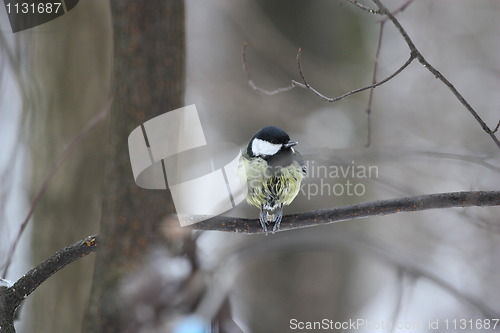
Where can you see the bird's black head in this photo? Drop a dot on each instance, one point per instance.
(269, 141)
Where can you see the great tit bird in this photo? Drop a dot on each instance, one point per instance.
(273, 171)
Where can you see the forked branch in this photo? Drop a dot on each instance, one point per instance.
(12, 296)
(436, 73)
(305, 84)
(414, 54)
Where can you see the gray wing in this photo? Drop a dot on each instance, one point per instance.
(298, 158)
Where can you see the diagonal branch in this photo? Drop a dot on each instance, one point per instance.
(350, 212)
(397, 10)
(366, 8)
(436, 73)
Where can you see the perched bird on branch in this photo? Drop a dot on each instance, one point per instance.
(273, 171)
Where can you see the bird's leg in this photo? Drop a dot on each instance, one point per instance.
(263, 220)
(277, 221)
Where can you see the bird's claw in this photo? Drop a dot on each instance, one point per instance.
(279, 216)
(263, 221)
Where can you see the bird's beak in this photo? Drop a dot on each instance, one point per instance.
(290, 144)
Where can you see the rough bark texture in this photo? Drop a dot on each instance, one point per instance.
(356, 211)
(149, 54)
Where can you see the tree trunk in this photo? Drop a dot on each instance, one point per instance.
(149, 49)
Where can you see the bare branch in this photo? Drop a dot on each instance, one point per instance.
(390, 77)
(350, 212)
(254, 86)
(436, 73)
(75, 141)
(414, 54)
(496, 128)
(299, 54)
(11, 297)
(307, 86)
(397, 10)
(244, 60)
(374, 80)
(399, 296)
(366, 8)
(375, 68)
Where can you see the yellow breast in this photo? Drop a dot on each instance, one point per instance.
(266, 186)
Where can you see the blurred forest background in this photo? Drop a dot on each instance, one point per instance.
(408, 268)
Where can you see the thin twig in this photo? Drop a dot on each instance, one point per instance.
(306, 85)
(397, 10)
(299, 54)
(399, 297)
(79, 137)
(338, 214)
(375, 67)
(390, 77)
(436, 73)
(253, 85)
(496, 128)
(374, 80)
(244, 60)
(365, 8)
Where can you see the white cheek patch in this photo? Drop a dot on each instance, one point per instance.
(264, 148)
